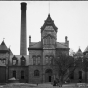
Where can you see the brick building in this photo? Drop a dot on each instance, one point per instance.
(38, 66)
(42, 54)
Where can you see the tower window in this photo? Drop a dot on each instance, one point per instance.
(47, 59)
(51, 60)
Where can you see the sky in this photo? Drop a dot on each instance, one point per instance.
(71, 18)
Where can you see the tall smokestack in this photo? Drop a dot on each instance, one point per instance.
(23, 42)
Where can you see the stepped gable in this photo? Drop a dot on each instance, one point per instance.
(49, 22)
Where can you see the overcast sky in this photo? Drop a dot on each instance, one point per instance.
(71, 18)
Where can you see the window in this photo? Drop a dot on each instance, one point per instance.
(34, 60)
(23, 61)
(14, 74)
(14, 61)
(22, 74)
(4, 61)
(46, 59)
(51, 60)
(80, 74)
(45, 41)
(38, 60)
(36, 73)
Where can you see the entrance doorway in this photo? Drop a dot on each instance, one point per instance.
(48, 75)
(80, 76)
(49, 78)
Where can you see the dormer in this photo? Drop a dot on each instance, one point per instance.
(14, 61)
(23, 61)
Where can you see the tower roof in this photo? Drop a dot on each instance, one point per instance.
(79, 53)
(49, 22)
(3, 46)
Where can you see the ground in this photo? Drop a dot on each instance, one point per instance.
(47, 85)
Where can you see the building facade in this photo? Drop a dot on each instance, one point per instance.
(39, 65)
(43, 53)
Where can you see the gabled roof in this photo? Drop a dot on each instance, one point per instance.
(38, 45)
(49, 22)
(10, 51)
(3, 46)
(35, 45)
(61, 45)
(2, 64)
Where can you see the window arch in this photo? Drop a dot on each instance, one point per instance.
(36, 73)
(23, 61)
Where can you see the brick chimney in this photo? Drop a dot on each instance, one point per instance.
(23, 41)
(66, 41)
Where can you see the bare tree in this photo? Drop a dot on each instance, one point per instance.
(65, 65)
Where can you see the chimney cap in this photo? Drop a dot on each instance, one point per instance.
(29, 36)
(23, 5)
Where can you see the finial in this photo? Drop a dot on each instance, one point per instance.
(3, 39)
(9, 46)
(49, 7)
(79, 47)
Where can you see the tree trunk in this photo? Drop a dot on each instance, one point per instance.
(85, 77)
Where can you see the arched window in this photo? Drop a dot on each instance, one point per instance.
(51, 60)
(46, 59)
(36, 73)
(22, 74)
(38, 60)
(23, 61)
(34, 60)
(14, 74)
(45, 41)
(4, 61)
(14, 61)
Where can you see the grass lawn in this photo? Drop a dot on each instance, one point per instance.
(26, 85)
